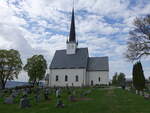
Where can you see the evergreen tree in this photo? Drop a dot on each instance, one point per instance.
(138, 76)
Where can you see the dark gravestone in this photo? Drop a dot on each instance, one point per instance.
(69, 91)
(14, 93)
(9, 100)
(72, 95)
(46, 93)
(37, 90)
(24, 102)
(28, 90)
(71, 98)
(37, 98)
(37, 94)
(25, 92)
(1, 93)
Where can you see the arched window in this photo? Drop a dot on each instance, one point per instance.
(99, 79)
(92, 82)
(57, 77)
(77, 78)
(66, 78)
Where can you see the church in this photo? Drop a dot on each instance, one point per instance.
(74, 67)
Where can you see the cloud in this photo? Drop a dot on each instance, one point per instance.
(42, 26)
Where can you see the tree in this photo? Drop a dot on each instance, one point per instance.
(138, 76)
(121, 80)
(138, 44)
(10, 66)
(115, 79)
(36, 68)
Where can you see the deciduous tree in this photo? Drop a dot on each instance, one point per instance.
(36, 68)
(138, 44)
(10, 66)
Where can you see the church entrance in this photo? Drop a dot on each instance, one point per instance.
(91, 82)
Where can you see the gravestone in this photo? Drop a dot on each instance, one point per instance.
(46, 93)
(59, 103)
(9, 100)
(146, 95)
(14, 93)
(37, 98)
(28, 90)
(24, 102)
(74, 92)
(1, 93)
(37, 90)
(58, 92)
(24, 92)
(71, 98)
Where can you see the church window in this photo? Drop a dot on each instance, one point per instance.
(77, 78)
(99, 79)
(56, 77)
(66, 78)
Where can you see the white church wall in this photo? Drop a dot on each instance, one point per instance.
(94, 76)
(71, 73)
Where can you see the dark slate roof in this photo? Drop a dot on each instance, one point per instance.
(98, 64)
(62, 60)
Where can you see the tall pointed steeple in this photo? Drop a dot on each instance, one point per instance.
(72, 36)
(72, 43)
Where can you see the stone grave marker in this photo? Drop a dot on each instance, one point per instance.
(9, 100)
(24, 102)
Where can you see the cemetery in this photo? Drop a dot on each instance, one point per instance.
(73, 100)
(47, 68)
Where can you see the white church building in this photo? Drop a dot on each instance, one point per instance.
(73, 66)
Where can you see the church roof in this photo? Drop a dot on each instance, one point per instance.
(98, 64)
(62, 60)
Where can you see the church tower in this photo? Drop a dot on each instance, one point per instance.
(72, 43)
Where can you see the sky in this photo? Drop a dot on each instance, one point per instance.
(42, 27)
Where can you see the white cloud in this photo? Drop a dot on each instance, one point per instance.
(41, 27)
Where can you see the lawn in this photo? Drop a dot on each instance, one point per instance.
(102, 101)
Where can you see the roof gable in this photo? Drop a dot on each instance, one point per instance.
(61, 60)
(98, 64)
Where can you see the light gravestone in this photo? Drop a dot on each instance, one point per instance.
(58, 92)
(59, 103)
(72, 96)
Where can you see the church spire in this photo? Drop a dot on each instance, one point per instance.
(71, 42)
(72, 36)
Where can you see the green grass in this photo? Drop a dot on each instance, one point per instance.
(103, 101)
